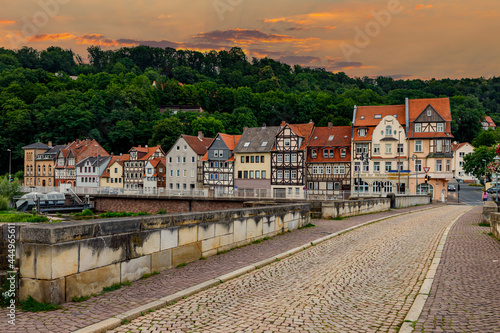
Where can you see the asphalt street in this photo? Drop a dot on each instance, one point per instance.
(469, 195)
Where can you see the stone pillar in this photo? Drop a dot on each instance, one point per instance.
(489, 208)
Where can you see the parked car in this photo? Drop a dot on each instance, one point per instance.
(493, 189)
(452, 188)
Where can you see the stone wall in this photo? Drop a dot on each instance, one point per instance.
(152, 205)
(412, 200)
(495, 224)
(60, 261)
(332, 209)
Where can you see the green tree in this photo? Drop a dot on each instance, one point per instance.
(9, 189)
(487, 138)
(166, 132)
(210, 126)
(473, 163)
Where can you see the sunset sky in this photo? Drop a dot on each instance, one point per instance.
(402, 39)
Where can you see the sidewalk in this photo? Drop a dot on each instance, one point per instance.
(74, 316)
(465, 295)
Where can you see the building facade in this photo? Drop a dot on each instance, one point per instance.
(460, 150)
(288, 160)
(252, 160)
(32, 170)
(329, 162)
(113, 174)
(134, 167)
(154, 176)
(183, 162)
(89, 171)
(218, 164)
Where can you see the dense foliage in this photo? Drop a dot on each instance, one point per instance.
(114, 99)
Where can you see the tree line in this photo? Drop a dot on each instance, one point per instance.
(115, 102)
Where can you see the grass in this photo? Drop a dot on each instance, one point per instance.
(491, 234)
(482, 224)
(182, 265)
(32, 305)
(121, 214)
(147, 275)
(257, 241)
(161, 211)
(337, 218)
(9, 216)
(78, 299)
(86, 212)
(309, 225)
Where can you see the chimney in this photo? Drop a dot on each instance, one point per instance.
(121, 154)
(139, 146)
(310, 121)
(200, 135)
(146, 146)
(330, 125)
(244, 129)
(49, 144)
(264, 125)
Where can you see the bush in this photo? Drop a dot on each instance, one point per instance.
(9, 189)
(4, 203)
(86, 212)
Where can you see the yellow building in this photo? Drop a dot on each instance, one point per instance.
(39, 163)
(113, 174)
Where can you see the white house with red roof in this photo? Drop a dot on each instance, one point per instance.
(488, 123)
(134, 168)
(460, 150)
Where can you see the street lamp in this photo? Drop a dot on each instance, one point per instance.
(414, 158)
(484, 172)
(10, 159)
(399, 166)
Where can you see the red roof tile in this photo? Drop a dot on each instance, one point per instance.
(490, 121)
(199, 146)
(456, 146)
(441, 105)
(114, 158)
(230, 140)
(341, 137)
(365, 115)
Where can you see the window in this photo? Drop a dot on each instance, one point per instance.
(387, 187)
(447, 143)
(329, 186)
(216, 154)
(378, 116)
(439, 146)
(388, 130)
(178, 173)
(192, 159)
(362, 117)
(240, 174)
(388, 166)
(357, 166)
(171, 173)
(429, 112)
(280, 158)
(417, 127)
(263, 144)
(192, 173)
(252, 159)
(263, 174)
(461, 163)
(251, 174)
(388, 148)
(376, 149)
(185, 173)
(247, 159)
(313, 153)
(294, 174)
(178, 148)
(297, 191)
(440, 127)
(361, 132)
(289, 191)
(287, 158)
(461, 154)
(245, 174)
(361, 148)
(366, 167)
(418, 165)
(448, 165)
(342, 153)
(377, 187)
(280, 174)
(376, 166)
(257, 159)
(439, 165)
(315, 170)
(286, 142)
(257, 174)
(400, 148)
(328, 169)
(287, 174)
(330, 138)
(262, 159)
(418, 146)
(179, 159)
(183, 159)
(246, 144)
(294, 158)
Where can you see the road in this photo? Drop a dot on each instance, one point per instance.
(362, 281)
(469, 195)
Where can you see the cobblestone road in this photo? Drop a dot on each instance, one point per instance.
(465, 296)
(73, 316)
(362, 281)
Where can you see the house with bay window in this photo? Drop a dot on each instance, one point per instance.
(329, 162)
(288, 160)
(380, 153)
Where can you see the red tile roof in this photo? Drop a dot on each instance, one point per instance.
(199, 145)
(303, 130)
(365, 115)
(230, 140)
(368, 136)
(441, 105)
(115, 158)
(341, 137)
(456, 146)
(490, 121)
(425, 135)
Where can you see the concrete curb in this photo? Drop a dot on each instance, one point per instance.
(418, 304)
(116, 321)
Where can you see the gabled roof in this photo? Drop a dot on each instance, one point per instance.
(256, 137)
(199, 145)
(372, 115)
(53, 151)
(340, 137)
(456, 146)
(490, 121)
(95, 161)
(150, 152)
(37, 145)
(303, 130)
(441, 105)
(114, 158)
(230, 140)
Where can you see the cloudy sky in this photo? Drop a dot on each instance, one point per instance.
(398, 38)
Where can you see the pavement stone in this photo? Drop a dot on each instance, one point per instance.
(74, 316)
(465, 295)
(364, 280)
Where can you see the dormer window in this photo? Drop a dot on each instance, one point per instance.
(362, 117)
(263, 144)
(314, 153)
(378, 116)
(330, 138)
(388, 130)
(361, 131)
(246, 144)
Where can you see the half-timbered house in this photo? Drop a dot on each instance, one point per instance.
(329, 162)
(288, 160)
(134, 167)
(218, 163)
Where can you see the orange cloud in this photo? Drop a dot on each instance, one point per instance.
(96, 39)
(422, 6)
(7, 22)
(246, 36)
(52, 37)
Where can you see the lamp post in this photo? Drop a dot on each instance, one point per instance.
(414, 159)
(484, 172)
(399, 166)
(10, 159)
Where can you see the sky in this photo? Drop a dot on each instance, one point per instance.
(398, 38)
